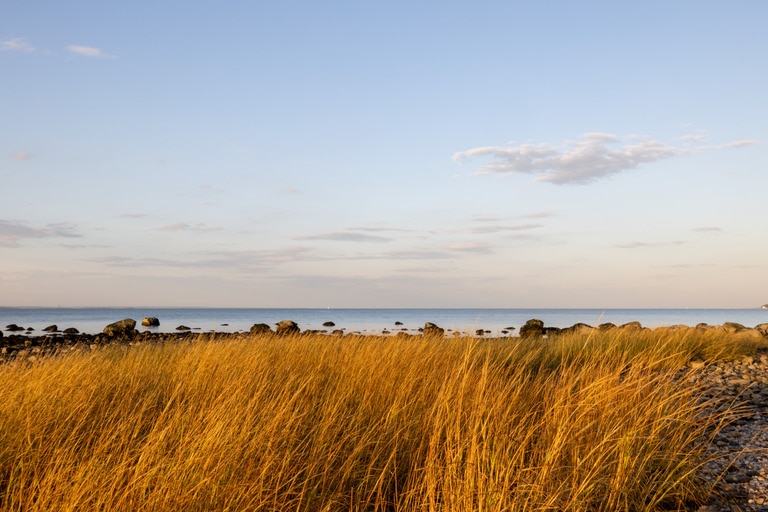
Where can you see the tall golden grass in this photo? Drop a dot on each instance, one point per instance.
(317, 423)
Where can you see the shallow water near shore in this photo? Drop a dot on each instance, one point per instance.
(366, 321)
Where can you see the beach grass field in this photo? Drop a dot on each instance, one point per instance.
(605, 421)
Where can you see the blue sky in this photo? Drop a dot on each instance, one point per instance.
(384, 154)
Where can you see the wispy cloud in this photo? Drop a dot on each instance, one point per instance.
(237, 261)
(641, 245)
(16, 44)
(133, 216)
(347, 236)
(12, 232)
(88, 51)
(183, 226)
(503, 228)
(22, 155)
(471, 247)
(712, 230)
(593, 156)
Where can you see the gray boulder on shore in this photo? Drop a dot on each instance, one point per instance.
(260, 329)
(533, 328)
(287, 327)
(124, 327)
(150, 321)
(431, 329)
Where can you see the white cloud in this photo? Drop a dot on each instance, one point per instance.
(16, 44)
(594, 156)
(88, 51)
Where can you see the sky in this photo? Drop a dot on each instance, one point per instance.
(384, 154)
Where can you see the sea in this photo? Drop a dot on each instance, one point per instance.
(364, 321)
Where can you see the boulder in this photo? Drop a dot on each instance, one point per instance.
(431, 329)
(287, 328)
(329, 324)
(71, 330)
(479, 332)
(763, 328)
(51, 328)
(122, 328)
(13, 328)
(398, 323)
(731, 327)
(260, 329)
(337, 332)
(533, 328)
(748, 332)
(631, 326)
(150, 321)
(183, 328)
(606, 326)
(553, 331)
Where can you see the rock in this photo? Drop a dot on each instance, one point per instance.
(580, 328)
(398, 323)
(183, 328)
(750, 333)
(431, 329)
(533, 328)
(553, 331)
(337, 332)
(287, 328)
(606, 326)
(731, 327)
(762, 328)
(122, 328)
(13, 328)
(479, 332)
(71, 330)
(51, 328)
(260, 329)
(631, 326)
(329, 324)
(150, 321)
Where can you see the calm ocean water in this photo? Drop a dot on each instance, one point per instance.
(369, 321)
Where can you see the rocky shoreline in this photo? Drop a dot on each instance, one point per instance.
(21, 344)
